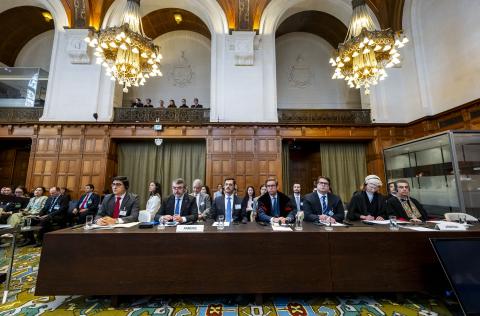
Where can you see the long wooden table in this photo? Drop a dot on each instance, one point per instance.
(240, 259)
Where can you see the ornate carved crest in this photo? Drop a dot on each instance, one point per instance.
(300, 75)
(181, 74)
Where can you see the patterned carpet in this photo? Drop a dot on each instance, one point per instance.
(23, 302)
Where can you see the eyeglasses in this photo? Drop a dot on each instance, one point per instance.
(117, 184)
(324, 183)
(271, 185)
(177, 188)
(19, 192)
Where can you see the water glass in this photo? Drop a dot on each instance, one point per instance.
(393, 225)
(89, 222)
(27, 223)
(299, 220)
(161, 224)
(221, 222)
(328, 226)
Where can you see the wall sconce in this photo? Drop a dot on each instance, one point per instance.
(47, 16)
(177, 17)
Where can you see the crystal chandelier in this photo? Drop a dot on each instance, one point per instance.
(362, 58)
(130, 58)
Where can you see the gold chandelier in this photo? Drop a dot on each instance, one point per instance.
(366, 52)
(129, 57)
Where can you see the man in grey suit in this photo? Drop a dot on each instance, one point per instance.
(119, 207)
(202, 199)
(229, 204)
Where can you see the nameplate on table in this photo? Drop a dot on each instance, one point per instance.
(449, 226)
(224, 224)
(190, 228)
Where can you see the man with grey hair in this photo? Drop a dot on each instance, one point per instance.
(178, 207)
(202, 199)
(368, 204)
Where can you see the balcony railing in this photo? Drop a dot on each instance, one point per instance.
(151, 115)
(329, 117)
(20, 114)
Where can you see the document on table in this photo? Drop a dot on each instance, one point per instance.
(95, 226)
(281, 228)
(384, 222)
(420, 228)
(124, 225)
(333, 224)
(5, 226)
(224, 224)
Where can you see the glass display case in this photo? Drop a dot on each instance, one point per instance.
(443, 171)
(22, 87)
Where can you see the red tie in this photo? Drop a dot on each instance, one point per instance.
(84, 202)
(116, 209)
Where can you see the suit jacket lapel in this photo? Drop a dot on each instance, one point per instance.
(125, 201)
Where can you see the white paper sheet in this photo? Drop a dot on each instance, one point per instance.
(224, 224)
(420, 229)
(281, 229)
(385, 222)
(334, 224)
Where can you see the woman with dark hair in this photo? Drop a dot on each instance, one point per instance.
(248, 200)
(206, 190)
(155, 200)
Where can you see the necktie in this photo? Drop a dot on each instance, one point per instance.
(177, 207)
(275, 207)
(53, 204)
(116, 208)
(324, 204)
(298, 202)
(84, 202)
(228, 216)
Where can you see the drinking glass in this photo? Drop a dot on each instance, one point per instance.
(220, 222)
(89, 222)
(393, 225)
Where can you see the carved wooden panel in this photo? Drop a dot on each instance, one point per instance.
(47, 145)
(68, 173)
(94, 145)
(7, 159)
(71, 145)
(44, 172)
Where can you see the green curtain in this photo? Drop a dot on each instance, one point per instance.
(143, 162)
(345, 165)
(285, 168)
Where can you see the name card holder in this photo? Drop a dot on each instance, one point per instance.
(190, 228)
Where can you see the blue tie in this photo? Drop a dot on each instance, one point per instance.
(275, 211)
(177, 207)
(324, 204)
(228, 216)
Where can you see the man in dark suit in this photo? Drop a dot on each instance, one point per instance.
(87, 204)
(368, 204)
(275, 207)
(228, 204)
(196, 105)
(120, 206)
(297, 198)
(184, 104)
(53, 213)
(322, 205)
(137, 104)
(179, 207)
(405, 207)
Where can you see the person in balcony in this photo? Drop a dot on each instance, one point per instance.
(184, 104)
(148, 103)
(196, 105)
(172, 105)
(137, 104)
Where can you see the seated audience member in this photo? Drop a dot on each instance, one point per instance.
(33, 208)
(253, 216)
(2, 191)
(196, 105)
(322, 205)
(12, 207)
(178, 207)
(228, 204)
(137, 104)
(219, 191)
(154, 200)
(184, 104)
(161, 104)
(275, 207)
(119, 207)
(171, 104)
(52, 214)
(7, 191)
(297, 198)
(392, 190)
(405, 207)
(87, 204)
(206, 190)
(368, 204)
(148, 103)
(203, 200)
(248, 200)
(66, 193)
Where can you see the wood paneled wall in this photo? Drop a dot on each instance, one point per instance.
(73, 155)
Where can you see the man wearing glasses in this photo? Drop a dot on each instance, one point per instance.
(120, 206)
(368, 204)
(178, 207)
(275, 207)
(322, 205)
